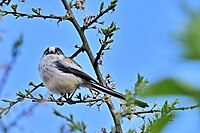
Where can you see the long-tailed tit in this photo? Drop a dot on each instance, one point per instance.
(61, 74)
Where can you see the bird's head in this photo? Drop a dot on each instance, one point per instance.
(53, 51)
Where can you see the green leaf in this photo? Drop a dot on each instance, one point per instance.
(104, 31)
(171, 86)
(110, 41)
(35, 11)
(112, 29)
(117, 28)
(130, 99)
(111, 7)
(20, 98)
(150, 122)
(6, 100)
(130, 131)
(72, 127)
(113, 2)
(70, 118)
(83, 125)
(28, 92)
(41, 96)
(56, 112)
(20, 94)
(160, 123)
(101, 6)
(17, 45)
(190, 38)
(112, 24)
(140, 84)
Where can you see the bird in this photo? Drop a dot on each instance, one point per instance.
(62, 75)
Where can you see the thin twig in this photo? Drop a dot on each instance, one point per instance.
(99, 53)
(101, 13)
(158, 110)
(70, 101)
(81, 49)
(19, 14)
(41, 99)
(17, 101)
(186, 108)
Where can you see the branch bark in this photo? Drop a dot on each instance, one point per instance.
(19, 14)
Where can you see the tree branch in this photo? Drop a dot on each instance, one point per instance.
(159, 110)
(28, 95)
(92, 59)
(99, 53)
(12, 103)
(85, 45)
(6, 2)
(116, 118)
(19, 14)
(101, 13)
(81, 49)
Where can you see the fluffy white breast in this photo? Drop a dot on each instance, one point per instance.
(54, 79)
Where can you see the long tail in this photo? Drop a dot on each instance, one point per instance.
(117, 94)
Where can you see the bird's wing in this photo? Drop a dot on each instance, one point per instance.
(69, 67)
(69, 60)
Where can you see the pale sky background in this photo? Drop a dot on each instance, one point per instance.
(144, 44)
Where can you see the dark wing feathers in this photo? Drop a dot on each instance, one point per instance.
(76, 63)
(66, 69)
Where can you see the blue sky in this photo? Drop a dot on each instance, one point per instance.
(144, 44)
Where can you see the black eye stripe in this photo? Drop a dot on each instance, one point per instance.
(53, 50)
(46, 51)
(59, 51)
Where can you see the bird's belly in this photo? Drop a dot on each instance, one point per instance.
(63, 83)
